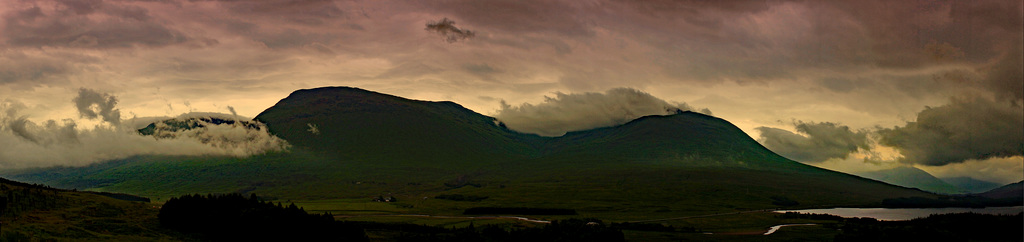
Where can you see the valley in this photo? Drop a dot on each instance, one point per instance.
(377, 158)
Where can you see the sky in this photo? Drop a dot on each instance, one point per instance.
(846, 85)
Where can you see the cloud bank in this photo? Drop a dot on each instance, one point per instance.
(860, 62)
(62, 143)
(819, 141)
(581, 111)
(966, 129)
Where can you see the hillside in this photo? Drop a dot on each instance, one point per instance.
(971, 185)
(31, 212)
(358, 124)
(914, 178)
(1010, 191)
(683, 139)
(350, 145)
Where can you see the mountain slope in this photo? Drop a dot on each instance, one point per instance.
(685, 138)
(349, 143)
(971, 185)
(912, 177)
(1010, 191)
(37, 213)
(359, 124)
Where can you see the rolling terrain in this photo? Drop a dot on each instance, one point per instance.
(351, 145)
(31, 212)
(913, 178)
(971, 185)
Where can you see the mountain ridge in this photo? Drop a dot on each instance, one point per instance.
(351, 143)
(971, 185)
(669, 131)
(913, 177)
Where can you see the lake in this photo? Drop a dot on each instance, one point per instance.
(893, 214)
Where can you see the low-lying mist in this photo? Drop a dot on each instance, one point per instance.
(28, 144)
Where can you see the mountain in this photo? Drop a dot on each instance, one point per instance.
(683, 139)
(349, 143)
(912, 177)
(971, 185)
(1011, 191)
(359, 124)
(172, 127)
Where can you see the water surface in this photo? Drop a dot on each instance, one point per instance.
(894, 214)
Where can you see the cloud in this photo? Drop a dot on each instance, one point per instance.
(35, 67)
(85, 24)
(222, 131)
(232, 110)
(1002, 170)
(92, 104)
(581, 111)
(62, 143)
(965, 129)
(446, 28)
(823, 141)
(1004, 78)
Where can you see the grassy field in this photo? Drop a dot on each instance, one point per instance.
(41, 214)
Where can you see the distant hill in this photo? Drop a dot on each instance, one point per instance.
(912, 177)
(352, 143)
(683, 139)
(1011, 191)
(971, 185)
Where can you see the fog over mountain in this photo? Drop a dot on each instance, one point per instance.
(867, 65)
(581, 111)
(65, 143)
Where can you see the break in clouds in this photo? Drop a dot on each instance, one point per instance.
(581, 111)
(965, 129)
(63, 143)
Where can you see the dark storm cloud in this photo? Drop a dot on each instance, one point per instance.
(484, 71)
(291, 38)
(86, 24)
(18, 128)
(301, 12)
(92, 105)
(18, 67)
(973, 27)
(823, 141)
(446, 28)
(518, 17)
(965, 129)
(1006, 77)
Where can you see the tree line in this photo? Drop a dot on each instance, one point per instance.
(235, 217)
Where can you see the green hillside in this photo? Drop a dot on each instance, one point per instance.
(352, 145)
(31, 212)
(357, 124)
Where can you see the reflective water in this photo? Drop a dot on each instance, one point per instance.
(892, 214)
